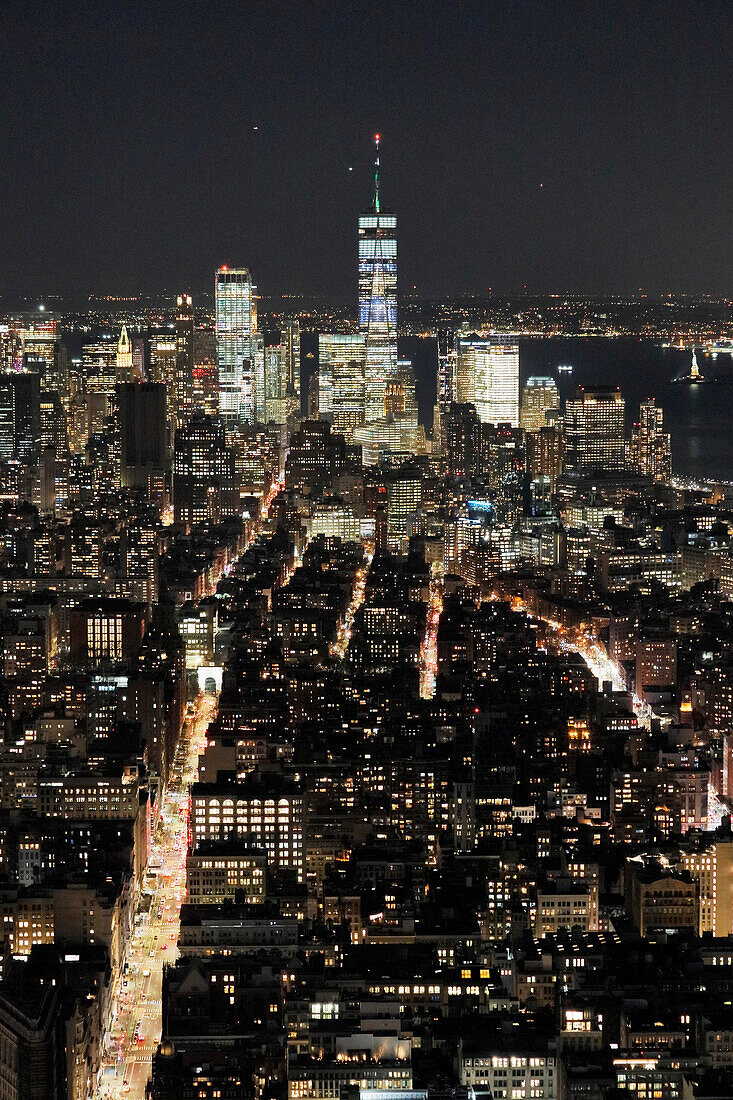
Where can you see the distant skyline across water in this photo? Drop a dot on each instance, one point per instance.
(698, 417)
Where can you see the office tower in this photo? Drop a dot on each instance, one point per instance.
(594, 429)
(400, 401)
(290, 343)
(123, 362)
(487, 376)
(204, 484)
(313, 404)
(461, 430)
(540, 403)
(142, 408)
(139, 359)
(7, 435)
(650, 444)
(446, 367)
(184, 358)
(57, 375)
(378, 297)
(163, 359)
(20, 416)
(272, 404)
(341, 371)
(99, 366)
(236, 323)
(545, 454)
(27, 416)
(53, 426)
(503, 467)
(255, 410)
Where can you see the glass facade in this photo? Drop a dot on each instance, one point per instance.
(341, 365)
(594, 429)
(378, 300)
(235, 325)
(487, 376)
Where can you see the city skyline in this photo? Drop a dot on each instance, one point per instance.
(366, 652)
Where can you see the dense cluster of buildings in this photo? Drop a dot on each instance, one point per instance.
(460, 825)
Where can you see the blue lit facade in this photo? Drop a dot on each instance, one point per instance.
(378, 299)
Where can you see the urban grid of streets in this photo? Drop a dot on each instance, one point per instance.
(136, 1015)
(136, 1019)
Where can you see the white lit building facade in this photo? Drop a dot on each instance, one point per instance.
(487, 376)
(236, 323)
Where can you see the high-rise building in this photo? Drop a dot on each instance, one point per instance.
(272, 400)
(545, 454)
(650, 444)
(142, 410)
(163, 359)
(341, 368)
(139, 358)
(204, 482)
(236, 323)
(99, 366)
(594, 429)
(461, 441)
(540, 403)
(487, 376)
(20, 416)
(446, 367)
(290, 343)
(378, 297)
(123, 361)
(184, 358)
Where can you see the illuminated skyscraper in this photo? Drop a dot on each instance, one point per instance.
(204, 480)
(594, 429)
(487, 376)
(446, 367)
(290, 342)
(540, 403)
(123, 364)
(378, 298)
(184, 358)
(163, 359)
(273, 404)
(236, 323)
(341, 363)
(650, 444)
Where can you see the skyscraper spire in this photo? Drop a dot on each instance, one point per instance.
(123, 364)
(378, 297)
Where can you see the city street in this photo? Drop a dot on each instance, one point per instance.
(429, 647)
(136, 1019)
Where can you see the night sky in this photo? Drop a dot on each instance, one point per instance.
(561, 146)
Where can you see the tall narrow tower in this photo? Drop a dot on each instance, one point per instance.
(378, 297)
(184, 358)
(123, 361)
(236, 324)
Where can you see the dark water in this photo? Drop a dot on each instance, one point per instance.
(700, 418)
